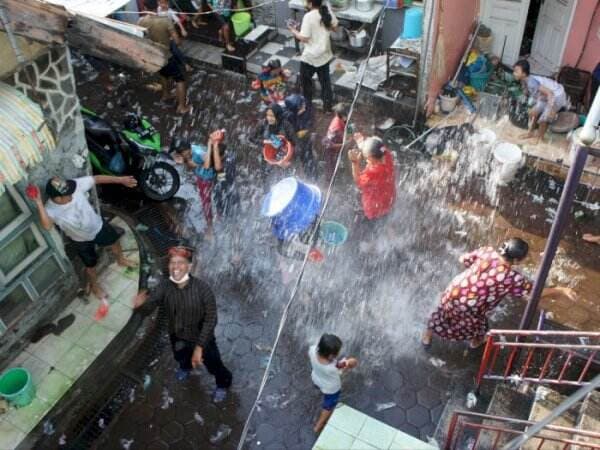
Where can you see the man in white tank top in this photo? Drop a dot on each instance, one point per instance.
(550, 98)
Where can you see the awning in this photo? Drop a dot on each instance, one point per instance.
(24, 135)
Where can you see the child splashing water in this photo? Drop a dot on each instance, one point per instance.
(326, 374)
(207, 163)
(271, 82)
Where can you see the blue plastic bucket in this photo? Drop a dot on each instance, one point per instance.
(16, 386)
(292, 206)
(413, 23)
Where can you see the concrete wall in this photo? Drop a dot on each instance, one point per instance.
(583, 43)
(54, 83)
(451, 27)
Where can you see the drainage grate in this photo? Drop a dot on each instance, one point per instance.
(89, 428)
(159, 231)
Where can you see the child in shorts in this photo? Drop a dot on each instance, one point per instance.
(326, 374)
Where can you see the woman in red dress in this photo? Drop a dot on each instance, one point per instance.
(462, 313)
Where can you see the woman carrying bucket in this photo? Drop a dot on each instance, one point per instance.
(275, 128)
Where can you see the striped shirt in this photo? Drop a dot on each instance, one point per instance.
(191, 310)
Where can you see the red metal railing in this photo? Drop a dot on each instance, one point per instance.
(552, 357)
(474, 431)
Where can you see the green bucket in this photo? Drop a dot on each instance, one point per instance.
(242, 23)
(16, 386)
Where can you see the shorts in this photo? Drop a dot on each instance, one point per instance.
(544, 111)
(107, 235)
(330, 401)
(223, 20)
(173, 70)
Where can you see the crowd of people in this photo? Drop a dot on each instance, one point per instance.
(189, 302)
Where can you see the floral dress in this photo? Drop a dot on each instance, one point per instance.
(462, 313)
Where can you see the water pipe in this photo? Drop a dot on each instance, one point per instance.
(586, 137)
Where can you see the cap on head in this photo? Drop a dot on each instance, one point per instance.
(57, 187)
(514, 249)
(182, 252)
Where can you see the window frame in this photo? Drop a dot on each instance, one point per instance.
(21, 218)
(6, 278)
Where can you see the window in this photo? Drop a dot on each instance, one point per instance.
(45, 275)
(14, 305)
(13, 211)
(29, 266)
(20, 252)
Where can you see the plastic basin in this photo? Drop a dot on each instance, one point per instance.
(16, 386)
(333, 233)
(270, 153)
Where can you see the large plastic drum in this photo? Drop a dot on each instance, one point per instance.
(509, 156)
(292, 206)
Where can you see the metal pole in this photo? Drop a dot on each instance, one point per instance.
(562, 216)
(586, 137)
(517, 442)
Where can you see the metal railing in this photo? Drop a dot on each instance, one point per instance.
(545, 357)
(475, 431)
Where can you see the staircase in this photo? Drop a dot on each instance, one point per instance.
(536, 372)
(512, 411)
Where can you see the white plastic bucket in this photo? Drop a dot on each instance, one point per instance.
(509, 156)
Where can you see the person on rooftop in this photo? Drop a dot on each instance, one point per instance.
(550, 98)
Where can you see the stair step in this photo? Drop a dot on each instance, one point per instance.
(589, 418)
(545, 401)
(506, 401)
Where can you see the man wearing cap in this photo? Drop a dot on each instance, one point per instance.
(69, 208)
(376, 181)
(192, 316)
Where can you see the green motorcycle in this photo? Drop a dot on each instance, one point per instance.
(135, 150)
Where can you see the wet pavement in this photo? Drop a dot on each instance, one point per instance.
(374, 293)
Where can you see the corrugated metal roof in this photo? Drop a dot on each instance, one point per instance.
(99, 8)
(24, 135)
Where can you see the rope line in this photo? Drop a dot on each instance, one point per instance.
(312, 239)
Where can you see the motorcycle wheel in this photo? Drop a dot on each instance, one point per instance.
(160, 182)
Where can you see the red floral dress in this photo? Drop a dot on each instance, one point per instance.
(462, 313)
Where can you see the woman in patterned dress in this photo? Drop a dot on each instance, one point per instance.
(462, 314)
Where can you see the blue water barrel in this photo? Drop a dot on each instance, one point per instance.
(292, 206)
(413, 23)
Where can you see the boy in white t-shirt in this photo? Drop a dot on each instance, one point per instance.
(326, 374)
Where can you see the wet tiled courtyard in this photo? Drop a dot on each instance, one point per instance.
(377, 302)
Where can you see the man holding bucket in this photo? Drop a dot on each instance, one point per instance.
(192, 316)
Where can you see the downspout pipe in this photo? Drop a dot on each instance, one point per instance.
(563, 211)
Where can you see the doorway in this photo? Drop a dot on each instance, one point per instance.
(530, 23)
(535, 29)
